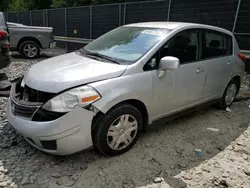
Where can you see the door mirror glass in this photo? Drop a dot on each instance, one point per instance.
(169, 63)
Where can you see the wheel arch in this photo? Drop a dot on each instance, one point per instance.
(24, 39)
(237, 78)
(139, 105)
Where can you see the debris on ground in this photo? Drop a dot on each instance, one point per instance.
(228, 109)
(158, 180)
(198, 152)
(213, 129)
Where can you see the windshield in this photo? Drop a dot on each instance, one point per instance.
(127, 44)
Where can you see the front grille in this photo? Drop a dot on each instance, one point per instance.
(25, 100)
(33, 95)
(45, 115)
(23, 111)
(27, 94)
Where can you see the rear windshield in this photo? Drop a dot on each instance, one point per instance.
(127, 44)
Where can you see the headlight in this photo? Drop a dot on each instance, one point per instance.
(65, 102)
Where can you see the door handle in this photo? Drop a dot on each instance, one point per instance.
(198, 70)
(229, 63)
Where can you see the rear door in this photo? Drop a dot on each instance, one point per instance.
(218, 62)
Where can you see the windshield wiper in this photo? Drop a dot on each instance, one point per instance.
(100, 56)
(108, 58)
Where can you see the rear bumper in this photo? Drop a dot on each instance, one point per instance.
(52, 45)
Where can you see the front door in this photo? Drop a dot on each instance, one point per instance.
(182, 87)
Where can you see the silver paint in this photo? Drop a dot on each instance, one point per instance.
(189, 85)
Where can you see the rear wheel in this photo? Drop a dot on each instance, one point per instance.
(229, 94)
(29, 50)
(118, 130)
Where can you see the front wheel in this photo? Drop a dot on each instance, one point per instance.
(229, 94)
(118, 131)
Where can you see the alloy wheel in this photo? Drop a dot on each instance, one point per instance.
(30, 50)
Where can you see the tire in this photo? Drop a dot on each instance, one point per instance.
(33, 47)
(111, 124)
(224, 103)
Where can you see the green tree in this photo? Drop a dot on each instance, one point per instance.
(21, 5)
(17, 5)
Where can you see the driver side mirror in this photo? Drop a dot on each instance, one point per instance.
(169, 63)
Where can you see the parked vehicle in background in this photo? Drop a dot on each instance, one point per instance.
(107, 92)
(5, 57)
(28, 40)
(3, 24)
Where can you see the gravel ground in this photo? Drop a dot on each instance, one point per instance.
(163, 157)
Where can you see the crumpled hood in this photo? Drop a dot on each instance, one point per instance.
(69, 70)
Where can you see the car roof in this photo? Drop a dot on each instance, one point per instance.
(175, 25)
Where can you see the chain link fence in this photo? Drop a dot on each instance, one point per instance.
(91, 22)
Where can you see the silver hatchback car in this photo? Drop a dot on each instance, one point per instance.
(105, 94)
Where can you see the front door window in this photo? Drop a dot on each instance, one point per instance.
(184, 46)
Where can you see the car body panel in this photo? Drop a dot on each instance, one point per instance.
(63, 72)
(238, 66)
(178, 88)
(114, 91)
(18, 32)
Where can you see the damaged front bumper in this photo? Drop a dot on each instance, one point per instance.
(69, 134)
(64, 135)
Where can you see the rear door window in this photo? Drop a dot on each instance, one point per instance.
(215, 44)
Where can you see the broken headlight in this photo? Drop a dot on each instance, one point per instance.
(68, 100)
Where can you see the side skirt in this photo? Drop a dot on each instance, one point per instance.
(172, 117)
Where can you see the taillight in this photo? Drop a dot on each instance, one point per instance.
(242, 57)
(3, 34)
(5, 46)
